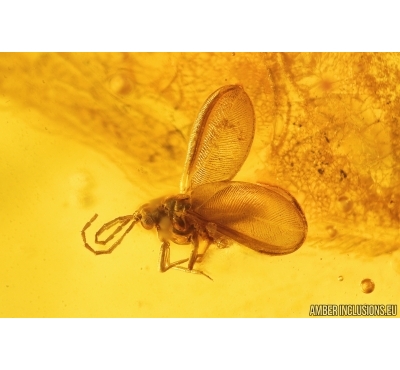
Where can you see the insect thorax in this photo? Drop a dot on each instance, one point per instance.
(170, 218)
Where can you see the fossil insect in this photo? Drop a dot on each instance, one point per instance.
(211, 208)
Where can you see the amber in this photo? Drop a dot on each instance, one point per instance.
(105, 133)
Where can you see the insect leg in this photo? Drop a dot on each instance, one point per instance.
(165, 264)
(194, 254)
(200, 256)
(194, 257)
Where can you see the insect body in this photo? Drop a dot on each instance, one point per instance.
(210, 207)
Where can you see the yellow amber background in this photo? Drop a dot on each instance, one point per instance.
(104, 133)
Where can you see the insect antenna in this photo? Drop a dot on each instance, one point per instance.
(122, 221)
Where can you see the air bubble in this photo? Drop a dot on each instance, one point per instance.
(345, 203)
(332, 232)
(367, 286)
(120, 84)
(340, 278)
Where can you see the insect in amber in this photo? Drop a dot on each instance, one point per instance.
(210, 207)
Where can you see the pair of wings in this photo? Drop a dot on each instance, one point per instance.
(262, 217)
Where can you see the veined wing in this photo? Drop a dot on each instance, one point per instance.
(221, 138)
(265, 218)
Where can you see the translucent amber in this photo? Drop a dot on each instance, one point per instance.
(105, 133)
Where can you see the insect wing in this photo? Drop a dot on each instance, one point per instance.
(221, 138)
(265, 218)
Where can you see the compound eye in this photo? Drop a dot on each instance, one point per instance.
(147, 222)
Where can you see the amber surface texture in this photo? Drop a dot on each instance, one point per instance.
(85, 133)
